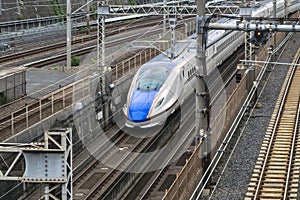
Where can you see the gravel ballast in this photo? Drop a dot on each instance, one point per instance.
(231, 179)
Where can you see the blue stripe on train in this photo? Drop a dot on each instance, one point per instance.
(140, 104)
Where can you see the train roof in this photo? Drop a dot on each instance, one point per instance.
(179, 48)
(190, 43)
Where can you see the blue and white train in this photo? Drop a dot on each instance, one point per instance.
(160, 86)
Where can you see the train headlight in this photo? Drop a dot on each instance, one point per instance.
(159, 102)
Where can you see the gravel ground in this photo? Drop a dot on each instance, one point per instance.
(235, 177)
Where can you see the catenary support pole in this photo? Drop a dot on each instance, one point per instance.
(202, 94)
(274, 16)
(69, 40)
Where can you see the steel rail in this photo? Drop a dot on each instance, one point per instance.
(287, 182)
(83, 51)
(111, 30)
(269, 149)
(114, 171)
(169, 158)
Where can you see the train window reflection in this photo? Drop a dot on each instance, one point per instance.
(152, 79)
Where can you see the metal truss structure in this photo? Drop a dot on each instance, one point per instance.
(48, 162)
(161, 10)
(155, 10)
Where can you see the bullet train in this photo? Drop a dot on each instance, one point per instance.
(160, 86)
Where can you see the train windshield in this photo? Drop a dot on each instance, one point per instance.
(152, 79)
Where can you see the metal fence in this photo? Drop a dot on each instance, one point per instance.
(46, 106)
(12, 86)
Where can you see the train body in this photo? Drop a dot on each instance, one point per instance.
(161, 85)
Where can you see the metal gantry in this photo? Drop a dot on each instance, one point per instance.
(154, 10)
(168, 9)
(48, 162)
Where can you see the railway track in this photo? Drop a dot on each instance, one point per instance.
(43, 56)
(53, 53)
(80, 37)
(83, 51)
(130, 163)
(276, 173)
(106, 176)
(162, 178)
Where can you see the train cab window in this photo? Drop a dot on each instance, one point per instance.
(152, 79)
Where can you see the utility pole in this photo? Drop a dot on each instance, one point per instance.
(101, 12)
(202, 93)
(164, 18)
(88, 17)
(274, 16)
(286, 8)
(0, 7)
(173, 21)
(104, 72)
(69, 39)
(246, 13)
(69, 28)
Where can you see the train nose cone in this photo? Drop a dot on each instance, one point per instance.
(140, 105)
